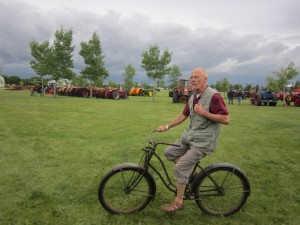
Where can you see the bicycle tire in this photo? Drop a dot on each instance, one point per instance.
(235, 189)
(126, 190)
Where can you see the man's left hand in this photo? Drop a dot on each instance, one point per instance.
(199, 109)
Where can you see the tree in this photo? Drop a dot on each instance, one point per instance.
(42, 54)
(145, 85)
(12, 79)
(161, 83)
(272, 84)
(297, 84)
(285, 75)
(62, 50)
(248, 87)
(155, 64)
(223, 85)
(237, 86)
(112, 84)
(91, 52)
(174, 74)
(78, 81)
(128, 75)
(55, 60)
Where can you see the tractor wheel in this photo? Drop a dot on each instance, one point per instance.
(150, 93)
(103, 93)
(85, 93)
(115, 95)
(257, 102)
(297, 101)
(65, 91)
(73, 92)
(140, 93)
(175, 97)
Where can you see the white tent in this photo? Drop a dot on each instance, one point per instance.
(2, 82)
(60, 82)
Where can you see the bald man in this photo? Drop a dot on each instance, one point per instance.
(206, 110)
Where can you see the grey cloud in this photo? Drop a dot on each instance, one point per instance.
(226, 54)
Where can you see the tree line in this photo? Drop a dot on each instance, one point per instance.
(55, 60)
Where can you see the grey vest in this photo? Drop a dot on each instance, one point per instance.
(202, 132)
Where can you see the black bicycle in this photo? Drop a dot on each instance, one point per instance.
(220, 189)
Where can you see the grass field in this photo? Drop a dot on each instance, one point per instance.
(54, 151)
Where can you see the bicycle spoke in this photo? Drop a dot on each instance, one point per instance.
(222, 192)
(125, 191)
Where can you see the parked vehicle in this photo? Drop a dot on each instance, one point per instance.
(264, 98)
(182, 92)
(135, 91)
(111, 93)
(293, 97)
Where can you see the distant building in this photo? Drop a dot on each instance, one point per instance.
(2, 82)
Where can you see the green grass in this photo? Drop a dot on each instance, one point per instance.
(54, 151)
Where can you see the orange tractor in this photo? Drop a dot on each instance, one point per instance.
(136, 91)
(140, 92)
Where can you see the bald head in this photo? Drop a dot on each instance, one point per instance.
(199, 72)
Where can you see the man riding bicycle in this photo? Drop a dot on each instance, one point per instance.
(207, 110)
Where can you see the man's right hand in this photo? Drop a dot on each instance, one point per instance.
(162, 128)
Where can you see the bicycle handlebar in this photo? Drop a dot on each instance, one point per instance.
(152, 142)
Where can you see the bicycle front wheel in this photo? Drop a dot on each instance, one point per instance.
(126, 190)
(222, 191)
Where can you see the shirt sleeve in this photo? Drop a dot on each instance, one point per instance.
(186, 110)
(217, 106)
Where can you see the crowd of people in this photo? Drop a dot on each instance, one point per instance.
(231, 95)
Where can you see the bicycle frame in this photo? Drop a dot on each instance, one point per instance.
(145, 162)
(165, 178)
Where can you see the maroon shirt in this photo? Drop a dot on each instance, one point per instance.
(217, 105)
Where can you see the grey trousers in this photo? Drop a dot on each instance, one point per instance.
(189, 156)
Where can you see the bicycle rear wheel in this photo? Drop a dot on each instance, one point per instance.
(226, 200)
(126, 190)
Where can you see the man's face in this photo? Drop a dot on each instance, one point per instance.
(198, 81)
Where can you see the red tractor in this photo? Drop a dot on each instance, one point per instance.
(293, 97)
(110, 93)
(182, 92)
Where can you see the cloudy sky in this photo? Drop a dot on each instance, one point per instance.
(243, 41)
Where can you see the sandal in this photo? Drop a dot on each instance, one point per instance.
(173, 206)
